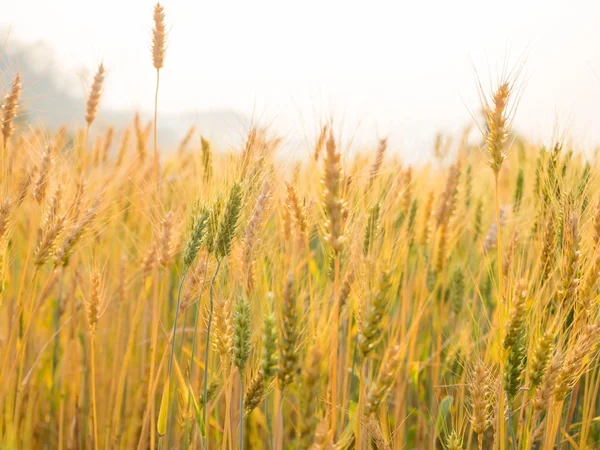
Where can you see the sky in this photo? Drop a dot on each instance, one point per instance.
(403, 69)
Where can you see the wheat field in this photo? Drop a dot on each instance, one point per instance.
(222, 298)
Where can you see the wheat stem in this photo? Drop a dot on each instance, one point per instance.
(94, 412)
(207, 346)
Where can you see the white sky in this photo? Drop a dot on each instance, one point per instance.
(403, 68)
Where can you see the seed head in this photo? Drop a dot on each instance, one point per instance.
(385, 380)
(94, 95)
(229, 221)
(241, 334)
(197, 231)
(10, 108)
(159, 37)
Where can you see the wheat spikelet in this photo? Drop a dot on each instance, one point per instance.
(457, 290)
(570, 264)
(588, 288)
(545, 390)
(320, 142)
(333, 203)
(384, 382)
(498, 125)
(250, 238)
(159, 37)
(197, 231)
(596, 223)
(47, 241)
(297, 210)
(286, 219)
(515, 342)
(577, 360)
(241, 334)
(447, 200)
(379, 156)
(10, 108)
(468, 186)
(322, 440)
(370, 329)
(440, 250)
(374, 429)
(481, 389)
(229, 222)
(213, 225)
(548, 248)
(23, 188)
(95, 303)
(64, 252)
(269, 341)
(517, 316)
(93, 99)
(54, 208)
(540, 359)
(346, 288)
(206, 154)
(223, 342)
(41, 183)
(427, 212)
(255, 393)
(372, 228)
(5, 210)
(406, 196)
(288, 357)
(454, 442)
(165, 244)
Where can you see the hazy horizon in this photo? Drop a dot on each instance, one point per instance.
(379, 68)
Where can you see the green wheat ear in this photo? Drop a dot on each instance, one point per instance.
(457, 290)
(269, 358)
(213, 225)
(229, 221)
(241, 334)
(197, 232)
(372, 227)
(454, 442)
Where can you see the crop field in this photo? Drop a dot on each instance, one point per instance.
(225, 298)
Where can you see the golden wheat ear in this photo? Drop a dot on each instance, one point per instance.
(91, 108)
(159, 37)
(10, 108)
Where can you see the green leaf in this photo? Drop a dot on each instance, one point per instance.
(443, 412)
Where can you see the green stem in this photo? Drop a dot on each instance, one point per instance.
(175, 323)
(241, 441)
(193, 349)
(173, 337)
(207, 346)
